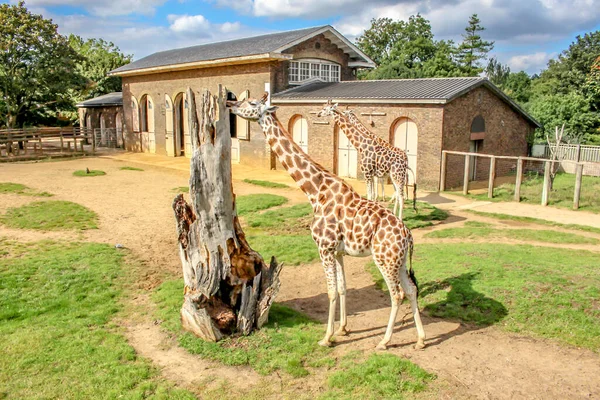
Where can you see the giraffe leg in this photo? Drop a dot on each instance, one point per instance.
(328, 259)
(369, 182)
(411, 291)
(383, 188)
(341, 290)
(400, 202)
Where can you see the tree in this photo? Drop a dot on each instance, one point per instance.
(442, 64)
(379, 39)
(497, 73)
(37, 68)
(518, 86)
(591, 87)
(473, 50)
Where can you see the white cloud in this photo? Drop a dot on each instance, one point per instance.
(189, 24)
(530, 62)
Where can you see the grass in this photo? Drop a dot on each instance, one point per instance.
(289, 249)
(17, 188)
(257, 202)
(537, 291)
(181, 189)
(381, 376)
(424, 216)
(93, 172)
(58, 341)
(130, 169)
(560, 196)
(530, 220)
(478, 230)
(50, 216)
(287, 343)
(267, 184)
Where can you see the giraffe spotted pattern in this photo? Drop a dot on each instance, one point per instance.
(343, 224)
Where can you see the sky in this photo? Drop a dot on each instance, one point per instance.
(527, 33)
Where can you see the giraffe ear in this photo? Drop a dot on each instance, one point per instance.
(264, 97)
(272, 109)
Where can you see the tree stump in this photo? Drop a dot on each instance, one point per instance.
(229, 289)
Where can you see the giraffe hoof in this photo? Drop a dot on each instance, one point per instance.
(325, 343)
(381, 346)
(420, 345)
(342, 332)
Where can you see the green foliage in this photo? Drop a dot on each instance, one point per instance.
(591, 88)
(518, 87)
(131, 169)
(497, 73)
(55, 321)
(380, 38)
(381, 376)
(17, 188)
(182, 189)
(473, 50)
(532, 235)
(256, 202)
(50, 216)
(38, 68)
(268, 184)
(92, 172)
(539, 291)
(288, 342)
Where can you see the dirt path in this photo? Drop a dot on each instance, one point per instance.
(135, 211)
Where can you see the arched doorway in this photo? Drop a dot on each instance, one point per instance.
(300, 132)
(476, 143)
(147, 124)
(347, 156)
(119, 130)
(103, 133)
(169, 127)
(179, 125)
(405, 137)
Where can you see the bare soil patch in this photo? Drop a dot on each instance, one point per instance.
(135, 211)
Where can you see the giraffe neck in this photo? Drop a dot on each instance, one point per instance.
(307, 174)
(358, 140)
(360, 127)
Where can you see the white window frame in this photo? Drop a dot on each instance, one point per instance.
(304, 69)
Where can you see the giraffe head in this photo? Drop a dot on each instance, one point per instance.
(251, 109)
(330, 109)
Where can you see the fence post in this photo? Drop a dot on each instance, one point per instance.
(578, 177)
(492, 177)
(546, 187)
(519, 179)
(467, 168)
(443, 172)
(578, 154)
(91, 131)
(61, 142)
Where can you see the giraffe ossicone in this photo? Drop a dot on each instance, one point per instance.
(343, 224)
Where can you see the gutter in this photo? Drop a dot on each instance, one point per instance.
(275, 100)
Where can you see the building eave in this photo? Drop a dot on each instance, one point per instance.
(256, 58)
(275, 100)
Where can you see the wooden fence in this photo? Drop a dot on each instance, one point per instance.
(38, 141)
(519, 174)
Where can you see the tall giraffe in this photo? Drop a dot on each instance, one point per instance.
(401, 160)
(343, 223)
(377, 159)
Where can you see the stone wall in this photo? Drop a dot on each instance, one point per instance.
(506, 133)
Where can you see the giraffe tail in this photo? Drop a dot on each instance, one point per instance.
(414, 188)
(411, 271)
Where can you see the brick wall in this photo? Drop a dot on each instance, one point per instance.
(322, 143)
(505, 133)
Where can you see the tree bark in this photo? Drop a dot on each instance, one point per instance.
(229, 289)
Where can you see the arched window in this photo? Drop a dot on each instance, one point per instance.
(478, 124)
(144, 113)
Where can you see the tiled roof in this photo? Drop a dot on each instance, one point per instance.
(415, 91)
(111, 99)
(214, 51)
(396, 89)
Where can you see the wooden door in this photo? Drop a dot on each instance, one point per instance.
(347, 157)
(300, 133)
(169, 127)
(151, 132)
(406, 138)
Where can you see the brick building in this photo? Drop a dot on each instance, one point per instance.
(104, 114)
(302, 69)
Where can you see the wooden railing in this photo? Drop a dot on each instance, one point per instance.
(519, 174)
(13, 142)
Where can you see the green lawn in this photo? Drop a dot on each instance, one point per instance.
(130, 169)
(56, 305)
(17, 188)
(50, 216)
(257, 202)
(560, 196)
(181, 189)
(82, 172)
(478, 230)
(538, 291)
(425, 215)
(530, 220)
(288, 342)
(267, 184)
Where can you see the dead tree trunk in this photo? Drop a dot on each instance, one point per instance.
(228, 287)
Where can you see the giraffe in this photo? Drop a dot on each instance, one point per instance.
(343, 224)
(377, 159)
